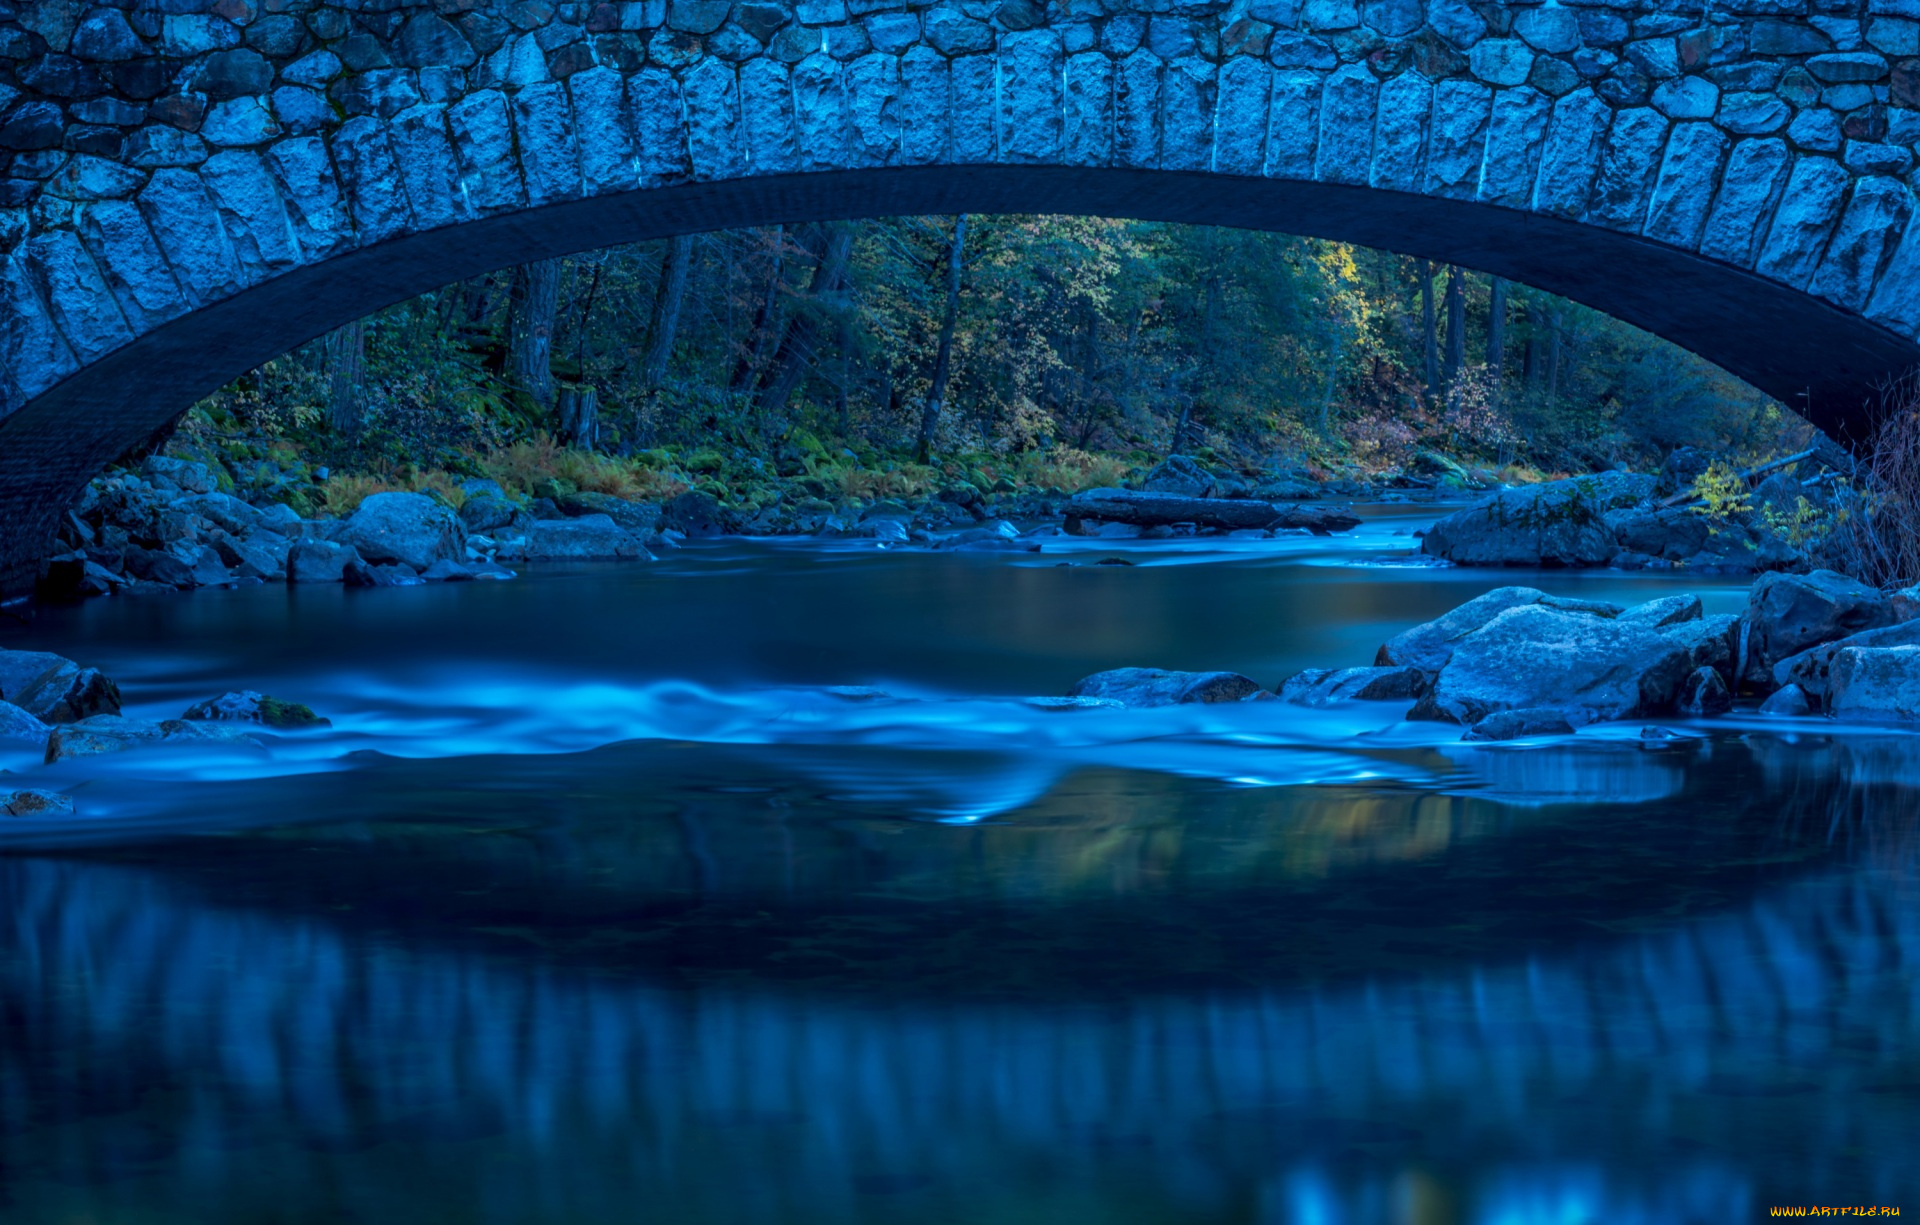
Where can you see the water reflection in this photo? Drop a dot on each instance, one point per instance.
(1131, 999)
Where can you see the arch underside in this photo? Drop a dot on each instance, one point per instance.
(1818, 359)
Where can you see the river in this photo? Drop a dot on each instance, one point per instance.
(754, 886)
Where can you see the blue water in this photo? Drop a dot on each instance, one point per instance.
(600, 902)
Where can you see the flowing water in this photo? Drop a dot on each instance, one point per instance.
(756, 886)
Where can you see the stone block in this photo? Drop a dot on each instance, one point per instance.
(1344, 150)
(188, 229)
(820, 112)
(370, 180)
(1876, 214)
(873, 86)
(1293, 121)
(1570, 159)
(1457, 138)
(1808, 210)
(1031, 115)
(605, 139)
(1516, 130)
(1186, 115)
(1400, 134)
(1087, 89)
(926, 107)
(482, 135)
(1683, 193)
(766, 111)
(1756, 173)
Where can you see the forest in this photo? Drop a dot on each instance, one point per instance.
(1053, 350)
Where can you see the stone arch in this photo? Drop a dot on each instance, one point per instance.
(193, 187)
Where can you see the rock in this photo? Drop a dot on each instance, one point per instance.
(409, 528)
(249, 559)
(1516, 724)
(1182, 475)
(246, 706)
(54, 689)
(1811, 669)
(1789, 700)
(178, 474)
(1668, 610)
(33, 802)
(1285, 489)
(1791, 612)
(17, 724)
(280, 518)
(889, 530)
(486, 512)
(446, 570)
(1683, 466)
(1704, 693)
(588, 538)
(1429, 645)
(1875, 684)
(481, 487)
(158, 566)
(1673, 532)
(114, 734)
(993, 531)
(1157, 687)
(395, 574)
(1710, 642)
(695, 514)
(1591, 667)
(319, 561)
(1326, 687)
(640, 518)
(1063, 704)
(1559, 523)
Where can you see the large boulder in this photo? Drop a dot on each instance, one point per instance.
(1875, 684)
(408, 528)
(1812, 668)
(1159, 687)
(1183, 475)
(178, 474)
(1429, 645)
(1559, 523)
(1787, 613)
(1590, 667)
(17, 724)
(694, 513)
(1328, 686)
(319, 561)
(1683, 466)
(588, 538)
(640, 518)
(54, 689)
(486, 512)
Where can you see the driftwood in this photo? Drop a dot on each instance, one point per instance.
(1158, 509)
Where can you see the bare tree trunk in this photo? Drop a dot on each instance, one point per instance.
(1431, 368)
(1336, 342)
(536, 293)
(1536, 328)
(754, 349)
(346, 353)
(1497, 332)
(664, 324)
(1553, 360)
(795, 354)
(579, 414)
(1456, 324)
(943, 357)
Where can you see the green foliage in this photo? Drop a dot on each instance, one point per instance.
(1722, 492)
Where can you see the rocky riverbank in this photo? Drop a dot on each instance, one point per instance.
(1519, 662)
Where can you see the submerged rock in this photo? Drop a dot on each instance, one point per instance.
(1158, 687)
(114, 734)
(1517, 724)
(33, 802)
(1328, 686)
(1593, 667)
(246, 706)
(1063, 704)
(394, 574)
(408, 528)
(1875, 684)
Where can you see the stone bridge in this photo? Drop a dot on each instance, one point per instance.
(191, 187)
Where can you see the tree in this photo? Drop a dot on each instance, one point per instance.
(802, 332)
(943, 356)
(664, 323)
(1456, 324)
(346, 366)
(1497, 331)
(536, 301)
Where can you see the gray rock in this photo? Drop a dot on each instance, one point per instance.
(1327, 687)
(1183, 475)
(588, 538)
(1559, 523)
(1668, 610)
(383, 574)
(181, 474)
(54, 689)
(17, 724)
(1789, 702)
(409, 528)
(246, 706)
(640, 518)
(1157, 687)
(1875, 684)
(1811, 669)
(1704, 693)
(1537, 656)
(486, 512)
(114, 734)
(1429, 645)
(1518, 724)
(319, 561)
(34, 802)
(1791, 612)
(694, 513)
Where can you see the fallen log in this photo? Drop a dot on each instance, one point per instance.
(1232, 514)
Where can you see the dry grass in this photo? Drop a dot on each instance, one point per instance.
(523, 464)
(1062, 468)
(345, 493)
(1875, 534)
